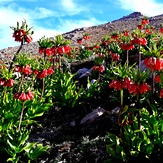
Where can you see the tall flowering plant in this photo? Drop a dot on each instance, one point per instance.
(153, 62)
(20, 103)
(23, 34)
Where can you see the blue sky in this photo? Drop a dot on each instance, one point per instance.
(52, 17)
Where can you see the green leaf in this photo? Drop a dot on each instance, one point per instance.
(11, 145)
(38, 150)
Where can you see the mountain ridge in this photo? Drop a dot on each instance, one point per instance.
(96, 32)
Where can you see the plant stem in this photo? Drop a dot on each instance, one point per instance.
(44, 55)
(127, 60)
(60, 62)
(43, 87)
(21, 116)
(120, 116)
(4, 94)
(21, 81)
(138, 107)
(98, 76)
(139, 58)
(121, 107)
(153, 86)
(14, 58)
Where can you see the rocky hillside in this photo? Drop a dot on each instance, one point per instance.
(129, 22)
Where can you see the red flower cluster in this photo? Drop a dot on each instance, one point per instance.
(20, 34)
(114, 36)
(161, 29)
(145, 21)
(142, 88)
(8, 83)
(153, 63)
(99, 68)
(115, 56)
(86, 37)
(115, 84)
(157, 79)
(127, 46)
(161, 93)
(44, 73)
(140, 26)
(26, 69)
(126, 33)
(139, 41)
(79, 41)
(55, 50)
(24, 96)
(127, 83)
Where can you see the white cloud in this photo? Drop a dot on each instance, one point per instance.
(68, 25)
(10, 13)
(68, 4)
(146, 7)
(71, 8)
(13, 13)
(39, 32)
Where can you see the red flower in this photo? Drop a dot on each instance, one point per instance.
(79, 41)
(132, 89)
(48, 52)
(9, 83)
(22, 97)
(35, 72)
(41, 50)
(42, 74)
(86, 37)
(30, 95)
(115, 56)
(54, 50)
(139, 41)
(101, 55)
(95, 68)
(60, 50)
(114, 36)
(2, 82)
(115, 84)
(145, 21)
(28, 39)
(140, 26)
(126, 83)
(150, 63)
(50, 71)
(127, 46)
(126, 33)
(143, 88)
(27, 70)
(16, 95)
(19, 34)
(157, 78)
(18, 68)
(161, 93)
(67, 49)
(161, 29)
(154, 64)
(159, 64)
(148, 30)
(101, 68)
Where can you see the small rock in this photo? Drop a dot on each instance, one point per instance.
(115, 111)
(91, 117)
(72, 124)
